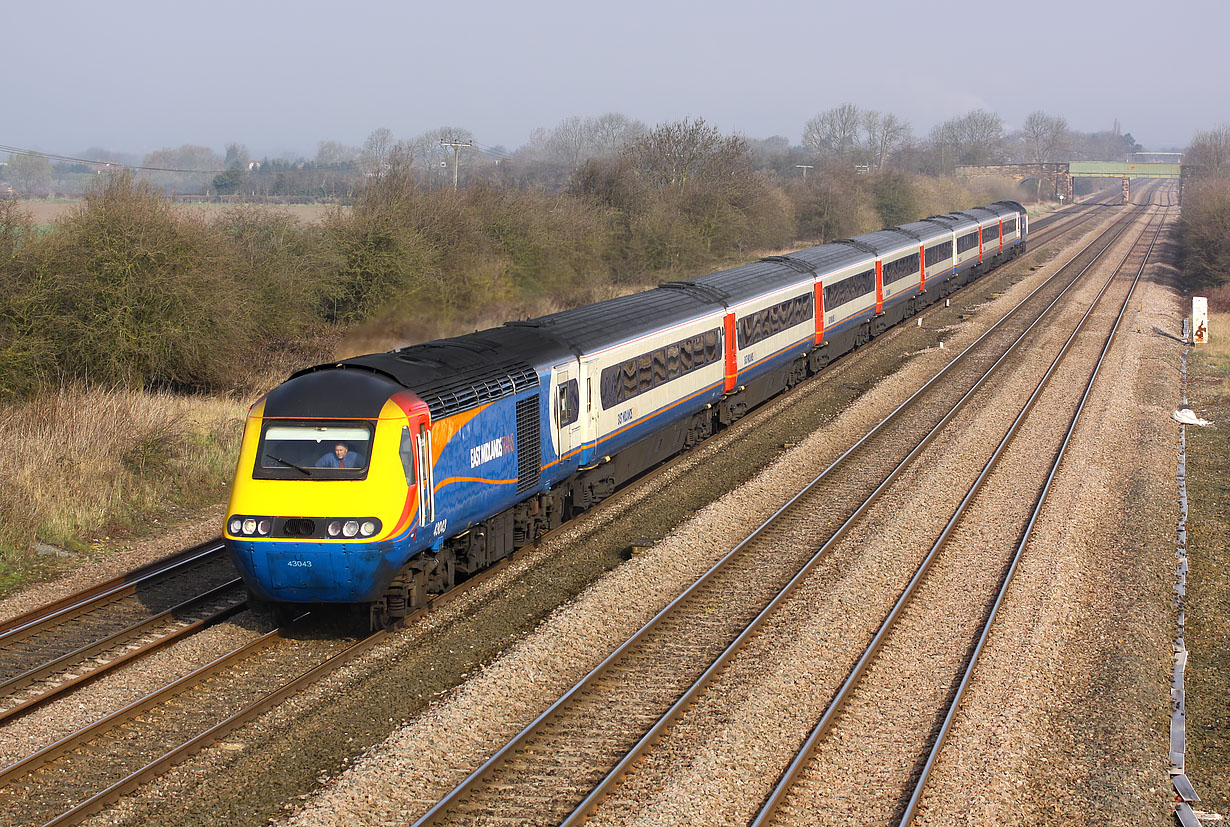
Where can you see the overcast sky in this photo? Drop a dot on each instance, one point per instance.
(282, 76)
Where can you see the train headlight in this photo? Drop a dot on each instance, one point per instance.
(351, 528)
(335, 528)
(249, 526)
(368, 528)
(264, 527)
(236, 525)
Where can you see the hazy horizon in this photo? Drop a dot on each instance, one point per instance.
(281, 77)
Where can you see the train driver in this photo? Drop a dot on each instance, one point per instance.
(340, 457)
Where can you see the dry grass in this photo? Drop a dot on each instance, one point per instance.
(87, 463)
(1208, 586)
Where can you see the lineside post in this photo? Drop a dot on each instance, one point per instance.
(1200, 320)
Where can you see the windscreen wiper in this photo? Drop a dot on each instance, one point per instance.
(305, 471)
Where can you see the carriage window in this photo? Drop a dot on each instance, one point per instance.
(849, 289)
(773, 320)
(619, 383)
(938, 253)
(569, 403)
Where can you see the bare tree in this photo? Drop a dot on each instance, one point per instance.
(576, 139)
(1210, 150)
(185, 157)
(675, 153)
(335, 153)
(570, 140)
(945, 144)
(1044, 135)
(613, 131)
(981, 136)
(376, 149)
(30, 174)
(884, 133)
(834, 133)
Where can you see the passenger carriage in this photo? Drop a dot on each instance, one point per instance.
(464, 449)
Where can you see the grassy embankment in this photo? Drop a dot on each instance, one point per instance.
(84, 465)
(1208, 581)
(133, 334)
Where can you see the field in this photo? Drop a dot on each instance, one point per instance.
(46, 212)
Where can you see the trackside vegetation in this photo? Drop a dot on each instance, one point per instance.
(133, 333)
(1204, 245)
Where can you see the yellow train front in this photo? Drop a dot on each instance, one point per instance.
(325, 499)
(382, 480)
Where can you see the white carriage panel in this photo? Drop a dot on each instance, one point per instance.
(803, 330)
(942, 266)
(1016, 232)
(904, 281)
(835, 314)
(972, 253)
(612, 415)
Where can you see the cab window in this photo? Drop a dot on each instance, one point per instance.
(301, 450)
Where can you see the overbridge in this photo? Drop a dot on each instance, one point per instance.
(1061, 175)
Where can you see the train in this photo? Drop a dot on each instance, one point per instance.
(382, 480)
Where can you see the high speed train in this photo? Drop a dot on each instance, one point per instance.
(380, 480)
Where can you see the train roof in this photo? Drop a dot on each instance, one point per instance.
(889, 240)
(955, 220)
(1008, 206)
(829, 257)
(928, 229)
(454, 375)
(739, 284)
(977, 215)
(598, 326)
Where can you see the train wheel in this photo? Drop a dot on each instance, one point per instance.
(379, 616)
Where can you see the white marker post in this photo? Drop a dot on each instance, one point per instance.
(1200, 320)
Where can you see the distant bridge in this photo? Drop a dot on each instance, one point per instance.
(1061, 175)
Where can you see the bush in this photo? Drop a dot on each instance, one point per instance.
(1204, 233)
(833, 203)
(123, 291)
(896, 198)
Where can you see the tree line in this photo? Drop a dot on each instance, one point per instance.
(1204, 230)
(864, 138)
(129, 290)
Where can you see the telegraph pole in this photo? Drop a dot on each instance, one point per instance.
(805, 167)
(457, 146)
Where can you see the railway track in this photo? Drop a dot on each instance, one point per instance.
(47, 653)
(944, 604)
(558, 768)
(26, 781)
(78, 775)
